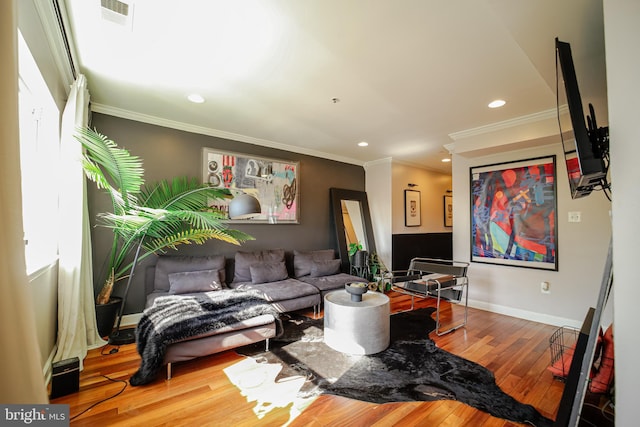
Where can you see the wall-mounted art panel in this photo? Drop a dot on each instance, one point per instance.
(514, 213)
(273, 182)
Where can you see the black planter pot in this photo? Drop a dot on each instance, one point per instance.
(106, 315)
(359, 259)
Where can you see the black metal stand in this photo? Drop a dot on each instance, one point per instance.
(126, 336)
(122, 336)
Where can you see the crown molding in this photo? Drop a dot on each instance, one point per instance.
(511, 123)
(159, 121)
(418, 166)
(383, 161)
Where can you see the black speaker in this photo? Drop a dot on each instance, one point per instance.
(65, 378)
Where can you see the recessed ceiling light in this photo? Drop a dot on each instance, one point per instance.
(446, 160)
(195, 98)
(497, 103)
(363, 144)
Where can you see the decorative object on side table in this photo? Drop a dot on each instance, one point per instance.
(356, 290)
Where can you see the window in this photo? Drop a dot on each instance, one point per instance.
(39, 160)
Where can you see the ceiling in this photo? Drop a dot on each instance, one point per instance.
(318, 76)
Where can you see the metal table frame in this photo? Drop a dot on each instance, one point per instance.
(420, 267)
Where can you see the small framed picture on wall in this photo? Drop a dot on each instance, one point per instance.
(411, 208)
(448, 211)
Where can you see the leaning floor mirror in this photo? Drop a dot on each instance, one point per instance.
(352, 221)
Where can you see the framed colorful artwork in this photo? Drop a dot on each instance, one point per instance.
(514, 213)
(273, 182)
(411, 208)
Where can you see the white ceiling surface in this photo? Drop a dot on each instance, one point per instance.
(408, 74)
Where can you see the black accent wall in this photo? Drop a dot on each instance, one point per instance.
(404, 247)
(169, 152)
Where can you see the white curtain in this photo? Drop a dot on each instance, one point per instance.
(77, 331)
(20, 370)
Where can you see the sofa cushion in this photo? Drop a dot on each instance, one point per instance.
(281, 290)
(325, 268)
(244, 261)
(268, 272)
(302, 260)
(194, 281)
(176, 264)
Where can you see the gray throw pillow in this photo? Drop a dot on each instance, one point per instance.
(244, 260)
(268, 272)
(194, 281)
(178, 264)
(325, 268)
(302, 260)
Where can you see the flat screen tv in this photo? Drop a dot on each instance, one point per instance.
(586, 146)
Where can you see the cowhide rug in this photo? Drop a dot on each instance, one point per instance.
(412, 368)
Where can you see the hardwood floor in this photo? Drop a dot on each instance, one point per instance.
(200, 393)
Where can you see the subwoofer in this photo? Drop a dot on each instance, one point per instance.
(65, 377)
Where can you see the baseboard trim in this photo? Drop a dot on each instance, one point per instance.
(525, 314)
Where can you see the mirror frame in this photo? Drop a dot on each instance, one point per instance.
(337, 195)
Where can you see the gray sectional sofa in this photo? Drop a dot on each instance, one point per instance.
(288, 281)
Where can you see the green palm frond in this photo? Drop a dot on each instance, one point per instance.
(158, 217)
(183, 237)
(181, 193)
(197, 236)
(111, 167)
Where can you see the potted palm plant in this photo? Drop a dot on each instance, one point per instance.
(153, 217)
(379, 273)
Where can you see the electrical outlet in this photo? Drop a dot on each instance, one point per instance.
(575, 216)
(545, 287)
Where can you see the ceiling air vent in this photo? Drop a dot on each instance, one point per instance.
(118, 12)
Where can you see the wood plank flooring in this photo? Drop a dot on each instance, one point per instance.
(200, 393)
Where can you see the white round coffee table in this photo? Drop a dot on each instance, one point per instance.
(356, 327)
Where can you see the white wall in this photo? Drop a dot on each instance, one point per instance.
(378, 188)
(623, 70)
(582, 249)
(43, 287)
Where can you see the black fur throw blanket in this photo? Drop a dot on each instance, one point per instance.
(177, 317)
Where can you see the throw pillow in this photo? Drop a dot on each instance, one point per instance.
(561, 366)
(244, 260)
(325, 268)
(601, 381)
(194, 281)
(177, 264)
(268, 272)
(302, 260)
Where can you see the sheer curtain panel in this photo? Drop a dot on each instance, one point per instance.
(77, 330)
(20, 370)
